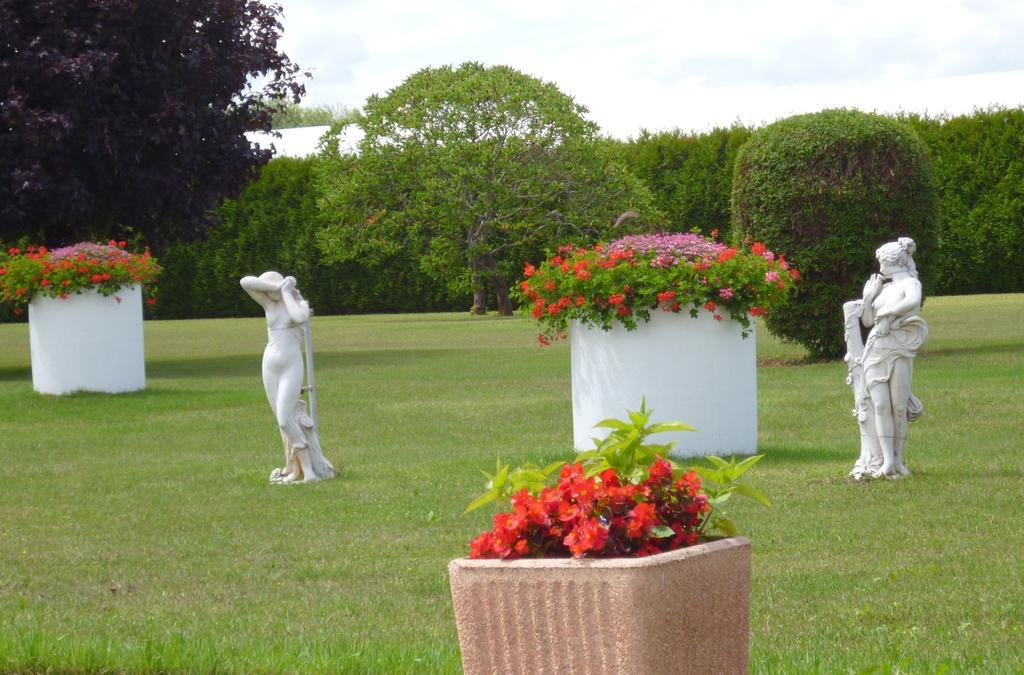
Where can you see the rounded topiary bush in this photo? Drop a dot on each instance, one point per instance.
(828, 189)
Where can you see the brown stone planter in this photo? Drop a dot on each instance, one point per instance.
(686, 611)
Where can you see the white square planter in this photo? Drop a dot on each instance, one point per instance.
(695, 370)
(87, 342)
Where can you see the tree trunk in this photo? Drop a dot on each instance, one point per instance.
(501, 291)
(479, 307)
(476, 266)
(500, 286)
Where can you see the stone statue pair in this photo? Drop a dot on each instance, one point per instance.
(883, 335)
(283, 374)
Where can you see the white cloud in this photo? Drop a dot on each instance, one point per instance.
(688, 64)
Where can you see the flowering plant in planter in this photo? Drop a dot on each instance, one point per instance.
(621, 499)
(61, 272)
(625, 280)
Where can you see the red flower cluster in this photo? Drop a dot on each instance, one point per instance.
(58, 273)
(674, 273)
(667, 301)
(599, 516)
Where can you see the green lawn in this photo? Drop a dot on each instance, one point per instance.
(138, 532)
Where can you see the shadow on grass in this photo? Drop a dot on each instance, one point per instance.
(15, 373)
(974, 350)
(202, 367)
(151, 399)
(391, 318)
(248, 365)
(781, 454)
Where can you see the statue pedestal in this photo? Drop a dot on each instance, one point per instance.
(87, 342)
(699, 371)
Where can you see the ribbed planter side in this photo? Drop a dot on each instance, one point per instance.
(686, 611)
(696, 370)
(87, 342)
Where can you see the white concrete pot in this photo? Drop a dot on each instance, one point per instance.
(695, 370)
(87, 342)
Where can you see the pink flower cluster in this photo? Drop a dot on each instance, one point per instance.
(104, 253)
(670, 248)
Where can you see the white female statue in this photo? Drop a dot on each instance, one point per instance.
(881, 367)
(283, 371)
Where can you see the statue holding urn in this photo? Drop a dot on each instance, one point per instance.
(881, 365)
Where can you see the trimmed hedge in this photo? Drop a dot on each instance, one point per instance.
(272, 226)
(827, 189)
(690, 175)
(979, 172)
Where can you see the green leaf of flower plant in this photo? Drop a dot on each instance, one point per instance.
(500, 478)
(709, 474)
(552, 467)
(720, 498)
(717, 461)
(742, 467)
(661, 531)
(669, 426)
(752, 493)
(612, 423)
(639, 419)
(623, 457)
(612, 446)
(650, 450)
(485, 498)
(726, 527)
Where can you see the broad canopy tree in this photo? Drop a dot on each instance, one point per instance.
(128, 116)
(476, 169)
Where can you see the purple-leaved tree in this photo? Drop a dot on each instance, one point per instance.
(121, 117)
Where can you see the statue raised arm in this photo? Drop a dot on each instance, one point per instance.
(283, 373)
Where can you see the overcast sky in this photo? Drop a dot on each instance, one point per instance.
(687, 64)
